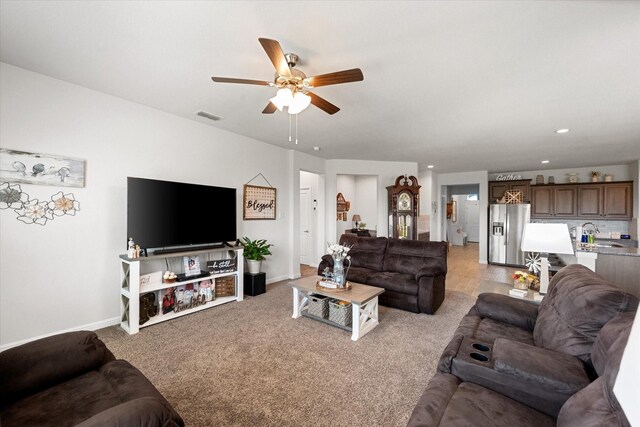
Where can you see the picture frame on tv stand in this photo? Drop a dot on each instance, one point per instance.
(191, 266)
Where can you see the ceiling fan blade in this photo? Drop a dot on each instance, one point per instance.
(347, 76)
(243, 81)
(276, 55)
(270, 108)
(323, 104)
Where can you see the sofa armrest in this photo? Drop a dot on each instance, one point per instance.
(328, 259)
(43, 363)
(449, 353)
(539, 367)
(506, 309)
(430, 272)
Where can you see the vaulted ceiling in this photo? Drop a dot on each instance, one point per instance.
(458, 85)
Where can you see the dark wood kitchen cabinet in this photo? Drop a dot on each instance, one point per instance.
(606, 200)
(618, 200)
(553, 201)
(498, 188)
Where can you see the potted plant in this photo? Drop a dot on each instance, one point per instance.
(255, 251)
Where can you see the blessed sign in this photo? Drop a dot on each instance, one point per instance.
(258, 202)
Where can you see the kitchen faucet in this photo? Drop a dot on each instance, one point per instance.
(595, 227)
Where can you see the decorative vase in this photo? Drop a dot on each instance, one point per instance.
(594, 179)
(338, 271)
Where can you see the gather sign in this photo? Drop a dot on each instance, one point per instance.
(258, 202)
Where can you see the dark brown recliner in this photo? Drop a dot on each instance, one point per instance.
(411, 272)
(537, 355)
(72, 379)
(450, 401)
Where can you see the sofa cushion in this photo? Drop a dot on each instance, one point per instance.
(488, 330)
(40, 364)
(397, 282)
(411, 256)
(535, 367)
(509, 310)
(84, 396)
(367, 252)
(607, 336)
(577, 306)
(448, 402)
(359, 274)
(596, 404)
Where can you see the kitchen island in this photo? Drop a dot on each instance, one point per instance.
(619, 265)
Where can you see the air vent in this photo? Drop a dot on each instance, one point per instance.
(209, 116)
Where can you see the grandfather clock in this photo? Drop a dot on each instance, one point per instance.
(404, 198)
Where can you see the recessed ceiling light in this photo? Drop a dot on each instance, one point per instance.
(544, 162)
(316, 148)
(430, 166)
(562, 131)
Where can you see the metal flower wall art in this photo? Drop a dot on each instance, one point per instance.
(34, 211)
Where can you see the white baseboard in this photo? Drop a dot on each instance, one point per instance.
(279, 278)
(88, 327)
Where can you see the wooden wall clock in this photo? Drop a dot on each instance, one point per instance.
(404, 201)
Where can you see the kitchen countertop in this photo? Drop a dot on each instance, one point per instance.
(630, 249)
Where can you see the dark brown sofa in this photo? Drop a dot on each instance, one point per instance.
(411, 272)
(516, 363)
(72, 379)
(450, 401)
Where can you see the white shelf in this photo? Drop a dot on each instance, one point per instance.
(130, 290)
(172, 314)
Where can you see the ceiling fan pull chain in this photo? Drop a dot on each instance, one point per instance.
(289, 127)
(296, 129)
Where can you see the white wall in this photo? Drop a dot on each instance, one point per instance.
(65, 275)
(366, 200)
(478, 177)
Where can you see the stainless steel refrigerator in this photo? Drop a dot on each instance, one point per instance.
(506, 224)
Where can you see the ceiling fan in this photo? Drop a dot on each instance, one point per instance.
(293, 85)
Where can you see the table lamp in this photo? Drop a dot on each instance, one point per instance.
(356, 219)
(546, 238)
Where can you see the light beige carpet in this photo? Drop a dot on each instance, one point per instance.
(250, 364)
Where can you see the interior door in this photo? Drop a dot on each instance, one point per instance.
(472, 225)
(305, 229)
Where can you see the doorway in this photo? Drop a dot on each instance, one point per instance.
(311, 221)
(305, 225)
(463, 224)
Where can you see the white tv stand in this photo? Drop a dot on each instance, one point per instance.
(130, 290)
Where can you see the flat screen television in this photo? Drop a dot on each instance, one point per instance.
(164, 214)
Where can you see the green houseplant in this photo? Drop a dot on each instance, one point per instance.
(255, 251)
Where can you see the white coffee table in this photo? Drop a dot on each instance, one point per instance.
(364, 300)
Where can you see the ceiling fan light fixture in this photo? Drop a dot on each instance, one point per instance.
(283, 98)
(299, 103)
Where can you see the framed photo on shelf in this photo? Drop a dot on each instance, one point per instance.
(258, 202)
(191, 265)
